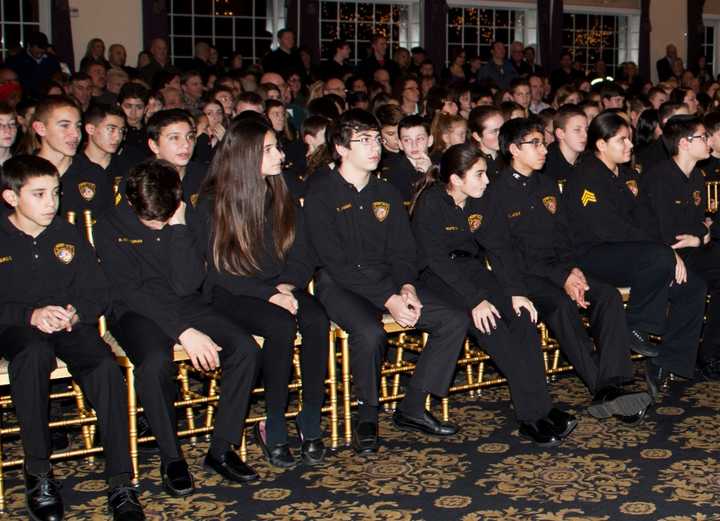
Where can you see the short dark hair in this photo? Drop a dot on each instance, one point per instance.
(133, 90)
(666, 110)
(252, 98)
(164, 118)
(282, 32)
(413, 121)
(479, 115)
(388, 115)
(99, 111)
(514, 131)
(18, 169)
(312, 125)
(518, 82)
(679, 127)
(79, 76)
(154, 190)
(564, 113)
(610, 89)
(353, 120)
(605, 125)
(712, 122)
(654, 91)
(190, 74)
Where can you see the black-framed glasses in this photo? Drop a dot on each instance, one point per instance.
(537, 143)
(703, 137)
(367, 140)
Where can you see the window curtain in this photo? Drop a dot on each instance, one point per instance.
(695, 31)
(645, 28)
(303, 17)
(155, 21)
(550, 20)
(435, 30)
(62, 31)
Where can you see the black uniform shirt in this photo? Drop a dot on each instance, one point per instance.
(155, 273)
(58, 267)
(537, 224)
(449, 241)
(297, 268)
(672, 203)
(602, 207)
(556, 166)
(653, 153)
(710, 168)
(192, 182)
(85, 186)
(400, 172)
(363, 239)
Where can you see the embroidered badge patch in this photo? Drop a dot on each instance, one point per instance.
(194, 199)
(632, 186)
(87, 190)
(65, 253)
(474, 221)
(697, 197)
(587, 197)
(5, 259)
(381, 209)
(550, 203)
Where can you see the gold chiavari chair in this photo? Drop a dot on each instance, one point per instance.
(711, 193)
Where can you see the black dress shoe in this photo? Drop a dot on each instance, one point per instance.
(615, 401)
(176, 478)
(427, 424)
(654, 378)
(562, 422)
(710, 371)
(640, 343)
(365, 438)
(637, 418)
(230, 466)
(541, 432)
(312, 451)
(124, 505)
(277, 455)
(42, 497)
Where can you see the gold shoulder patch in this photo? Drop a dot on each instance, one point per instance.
(587, 197)
(87, 190)
(5, 259)
(194, 199)
(474, 221)
(697, 197)
(632, 186)
(550, 203)
(65, 253)
(381, 209)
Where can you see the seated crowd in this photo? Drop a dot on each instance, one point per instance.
(475, 202)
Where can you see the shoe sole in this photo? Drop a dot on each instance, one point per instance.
(553, 443)
(177, 493)
(642, 351)
(408, 427)
(568, 430)
(625, 405)
(266, 451)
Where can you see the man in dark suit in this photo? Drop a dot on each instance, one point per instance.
(664, 64)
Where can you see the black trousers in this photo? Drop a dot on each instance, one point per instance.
(514, 346)
(31, 356)
(151, 352)
(435, 367)
(279, 328)
(648, 269)
(611, 365)
(706, 263)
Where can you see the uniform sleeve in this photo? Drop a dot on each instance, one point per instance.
(301, 260)
(186, 269)
(402, 249)
(429, 231)
(126, 285)
(89, 294)
(326, 240)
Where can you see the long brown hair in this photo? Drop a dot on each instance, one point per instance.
(239, 192)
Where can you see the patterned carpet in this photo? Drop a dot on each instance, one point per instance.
(666, 469)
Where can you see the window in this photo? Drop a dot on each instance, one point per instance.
(18, 19)
(356, 22)
(475, 28)
(243, 26)
(708, 47)
(613, 38)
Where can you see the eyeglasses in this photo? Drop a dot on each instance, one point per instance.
(537, 143)
(9, 126)
(703, 137)
(367, 141)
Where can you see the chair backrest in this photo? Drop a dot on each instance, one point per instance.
(711, 190)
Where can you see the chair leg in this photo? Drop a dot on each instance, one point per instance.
(298, 375)
(132, 422)
(399, 360)
(87, 433)
(243, 446)
(468, 367)
(480, 376)
(185, 391)
(332, 384)
(445, 409)
(210, 413)
(345, 355)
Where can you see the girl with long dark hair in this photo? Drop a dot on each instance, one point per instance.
(258, 266)
(452, 225)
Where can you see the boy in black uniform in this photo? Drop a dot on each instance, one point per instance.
(85, 186)
(362, 235)
(657, 151)
(672, 195)
(149, 256)
(570, 124)
(133, 100)
(537, 229)
(105, 128)
(53, 293)
(612, 245)
(171, 137)
(710, 167)
(404, 169)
